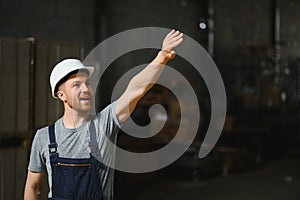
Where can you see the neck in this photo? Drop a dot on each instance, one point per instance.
(73, 119)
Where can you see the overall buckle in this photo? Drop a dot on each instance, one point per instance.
(52, 148)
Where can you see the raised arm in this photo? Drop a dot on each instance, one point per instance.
(144, 80)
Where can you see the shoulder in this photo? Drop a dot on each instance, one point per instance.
(108, 113)
(42, 134)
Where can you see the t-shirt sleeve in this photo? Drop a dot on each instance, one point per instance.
(36, 161)
(108, 121)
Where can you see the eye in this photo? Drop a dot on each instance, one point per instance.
(76, 85)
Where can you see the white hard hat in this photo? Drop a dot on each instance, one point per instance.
(65, 67)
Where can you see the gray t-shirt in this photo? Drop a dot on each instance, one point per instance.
(74, 143)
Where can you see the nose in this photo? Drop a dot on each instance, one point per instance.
(84, 87)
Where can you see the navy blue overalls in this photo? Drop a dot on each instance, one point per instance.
(75, 179)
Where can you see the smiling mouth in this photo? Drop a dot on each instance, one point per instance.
(85, 99)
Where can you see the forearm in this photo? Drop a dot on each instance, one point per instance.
(31, 193)
(33, 186)
(144, 80)
(139, 85)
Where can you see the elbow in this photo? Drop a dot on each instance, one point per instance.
(37, 190)
(32, 192)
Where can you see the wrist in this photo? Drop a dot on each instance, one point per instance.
(162, 57)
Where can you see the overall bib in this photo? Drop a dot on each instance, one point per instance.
(75, 179)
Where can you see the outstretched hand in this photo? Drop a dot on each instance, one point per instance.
(172, 40)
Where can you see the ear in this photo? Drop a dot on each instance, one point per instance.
(61, 95)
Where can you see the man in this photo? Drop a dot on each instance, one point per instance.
(68, 149)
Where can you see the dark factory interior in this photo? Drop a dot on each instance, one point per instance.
(255, 45)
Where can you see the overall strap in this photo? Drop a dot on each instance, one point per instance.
(53, 145)
(93, 140)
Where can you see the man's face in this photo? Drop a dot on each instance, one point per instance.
(78, 92)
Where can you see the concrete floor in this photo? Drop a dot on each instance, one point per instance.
(276, 180)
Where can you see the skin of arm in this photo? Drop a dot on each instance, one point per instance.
(143, 81)
(33, 185)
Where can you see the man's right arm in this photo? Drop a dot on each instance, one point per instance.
(144, 80)
(33, 185)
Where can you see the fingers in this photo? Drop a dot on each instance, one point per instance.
(177, 42)
(174, 37)
(175, 33)
(170, 33)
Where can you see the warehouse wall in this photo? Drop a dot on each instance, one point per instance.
(90, 21)
(290, 29)
(67, 20)
(232, 18)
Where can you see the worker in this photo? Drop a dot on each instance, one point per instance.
(67, 150)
